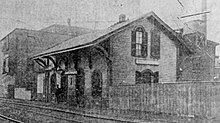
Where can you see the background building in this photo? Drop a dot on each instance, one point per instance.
(17, 69)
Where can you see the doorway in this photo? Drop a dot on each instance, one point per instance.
(80, 87)
(64, 88)
(53, 83)
(96, 84)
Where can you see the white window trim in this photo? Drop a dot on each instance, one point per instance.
(147, 61)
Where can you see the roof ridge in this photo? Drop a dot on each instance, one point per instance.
(32, 30)
(66, 26)
(95, 35)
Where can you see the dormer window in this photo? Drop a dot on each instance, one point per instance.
(139, 42)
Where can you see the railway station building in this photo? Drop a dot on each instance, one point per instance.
(137, 51)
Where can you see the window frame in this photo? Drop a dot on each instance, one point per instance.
(139, 42)
(144, 76)
(140, 47)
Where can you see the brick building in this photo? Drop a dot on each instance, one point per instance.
(137, 51)
(20, 44)
(200, 65)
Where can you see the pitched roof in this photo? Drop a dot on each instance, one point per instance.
(37, 40)
(67, 30)
(97, 36)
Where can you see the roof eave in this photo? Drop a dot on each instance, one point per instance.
(148, 15)
(61, 51)
(179, 38)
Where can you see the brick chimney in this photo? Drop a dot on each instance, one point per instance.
(122, 18)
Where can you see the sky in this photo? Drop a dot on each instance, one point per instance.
(98, 14)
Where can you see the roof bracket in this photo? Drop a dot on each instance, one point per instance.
(41, 62)
(103, 51)
(51, 59)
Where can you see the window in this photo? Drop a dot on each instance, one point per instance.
(139, 42)
(146, 76)
(155, 44)
(5, 64)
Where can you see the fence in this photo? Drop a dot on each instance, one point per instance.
(200, 99)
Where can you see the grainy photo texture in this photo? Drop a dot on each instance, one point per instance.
(109, 61)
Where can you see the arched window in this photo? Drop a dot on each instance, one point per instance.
(139, 42)
(96, 83)
(146, 76)
(155, 44)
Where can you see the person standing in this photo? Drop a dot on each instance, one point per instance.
(57, 94)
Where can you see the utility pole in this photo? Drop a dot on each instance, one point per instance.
(204, 18)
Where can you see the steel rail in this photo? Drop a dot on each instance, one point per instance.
(44, 114)
(67, 111)
(10, 119)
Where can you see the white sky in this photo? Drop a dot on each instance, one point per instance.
(37, 14)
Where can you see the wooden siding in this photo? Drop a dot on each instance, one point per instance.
(188, 99)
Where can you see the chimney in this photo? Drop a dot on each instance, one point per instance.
(122, 18)
(69, 21)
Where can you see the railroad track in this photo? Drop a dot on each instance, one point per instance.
(59, 115)
(7, 119)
